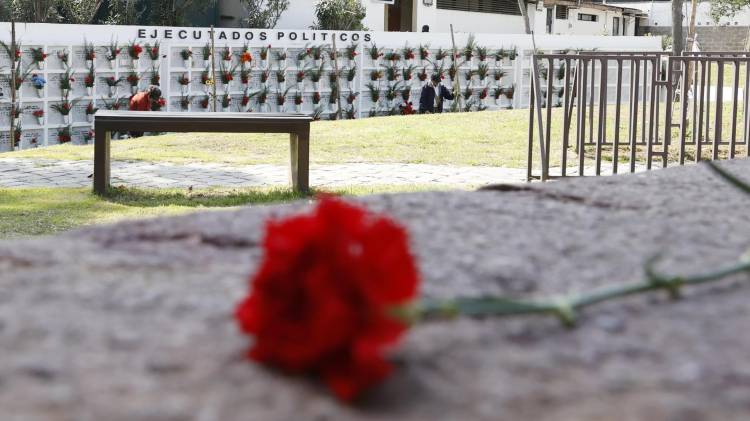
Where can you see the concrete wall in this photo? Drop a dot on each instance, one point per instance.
(375, 19)
(715, 38)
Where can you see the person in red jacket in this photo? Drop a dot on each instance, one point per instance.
(147, 100)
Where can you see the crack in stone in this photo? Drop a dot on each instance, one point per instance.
(561, 197)
(221, 242)
(16, 262)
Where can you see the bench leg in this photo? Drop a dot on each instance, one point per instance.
(101, 161)
(300, 161)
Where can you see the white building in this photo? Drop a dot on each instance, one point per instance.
(659, 14)
(480, 16)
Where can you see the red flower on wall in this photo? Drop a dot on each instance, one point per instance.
(322, 298)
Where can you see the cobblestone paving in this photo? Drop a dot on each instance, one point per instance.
(51, 173)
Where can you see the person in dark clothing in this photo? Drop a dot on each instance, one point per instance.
(429, 100)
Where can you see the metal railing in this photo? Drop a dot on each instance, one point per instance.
(627, 109)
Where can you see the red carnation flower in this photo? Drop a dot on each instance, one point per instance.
(323, 297)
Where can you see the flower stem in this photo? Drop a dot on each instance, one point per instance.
(566, 308)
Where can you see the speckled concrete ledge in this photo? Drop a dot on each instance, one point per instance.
(133, 321)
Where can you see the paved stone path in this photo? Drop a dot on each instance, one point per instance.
(51, 173)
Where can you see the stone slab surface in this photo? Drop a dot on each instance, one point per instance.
(133, 321)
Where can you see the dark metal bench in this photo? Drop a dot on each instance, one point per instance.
(297, 125)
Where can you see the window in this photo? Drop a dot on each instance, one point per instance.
(587, 17)
(505, 7)
(548, 25)
(615, 26)
(561, 12)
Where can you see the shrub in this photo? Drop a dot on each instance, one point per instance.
(339, 15)
(263, 13)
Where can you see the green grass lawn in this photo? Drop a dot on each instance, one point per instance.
(490, 138)
(28, 212)
(494, 138)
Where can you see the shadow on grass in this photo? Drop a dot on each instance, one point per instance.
(144, 198)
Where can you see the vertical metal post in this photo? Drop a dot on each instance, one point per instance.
(213, 68)
(548, 100)
(618, 100)
(719, 108)
(656, 90)
(653, 98)
(735, 97)
(634, 113)
(592, 97)
(582, 116)
(530, 151)
(566, 117)
(338, 76)
(644, 98)
(686, 80)
(12, 53)
(602, 132)
(746, 109)
(456, 85)
(708, 101)
(699, 119)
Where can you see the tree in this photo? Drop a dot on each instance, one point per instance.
(154, 12)
(5, 12)
(340, 15)
(728, 9)
(79, 11)
(38, 11)
(263, 13)
(678, 39)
